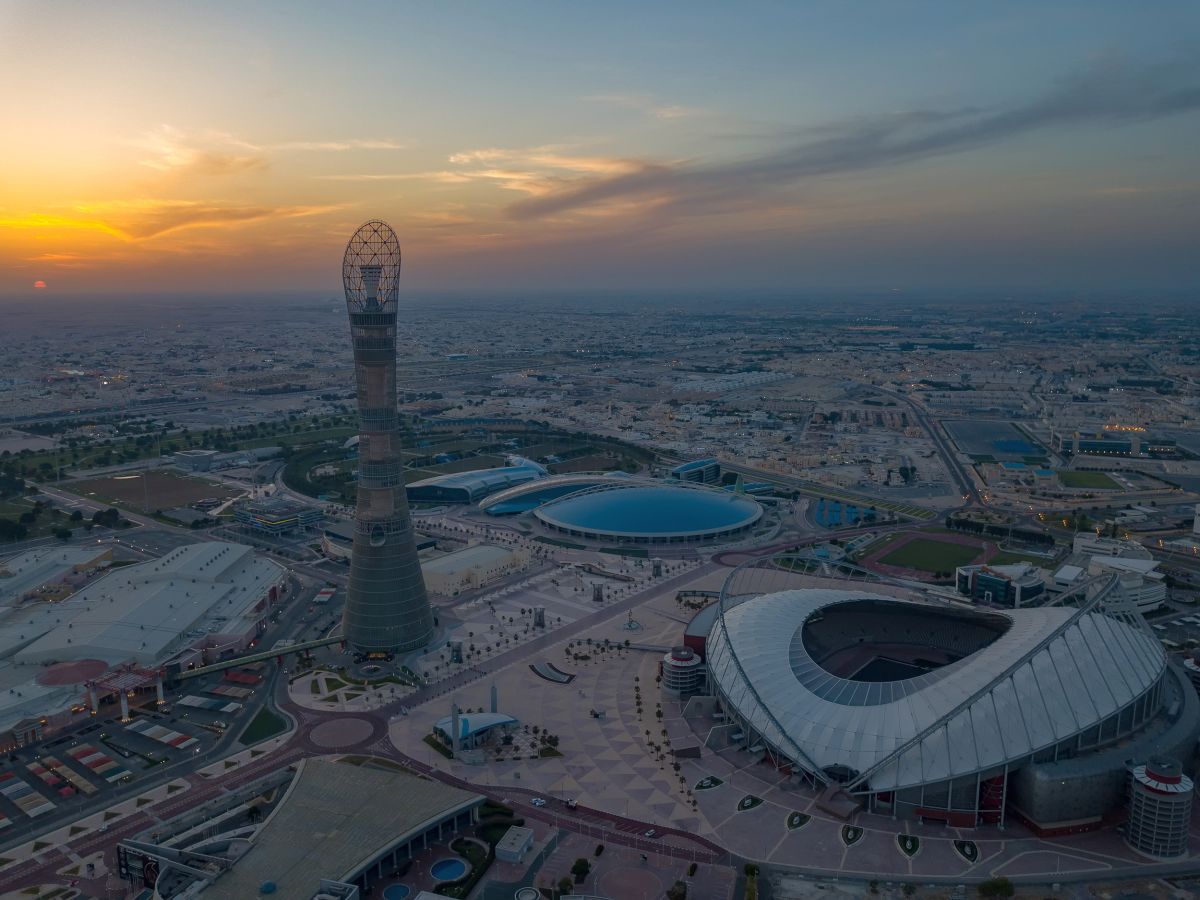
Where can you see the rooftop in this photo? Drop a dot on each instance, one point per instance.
(30, 570)
(478, 555)
(487, 480)
(333, 820)
(141, 611)
(695, 464)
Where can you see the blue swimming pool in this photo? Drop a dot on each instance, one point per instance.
(448, 869)
(832, 513)
(396, 892)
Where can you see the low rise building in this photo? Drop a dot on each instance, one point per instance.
(51, 573)
(277, 515)
(213, 594)
(1139, 577)
(195, 460)
(1089, 544)
(516, 842)
(472, 567)
(699, 471)
(1140, 580)
(1013, 586)
(337, 832)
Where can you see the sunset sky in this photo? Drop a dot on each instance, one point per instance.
(233, 147)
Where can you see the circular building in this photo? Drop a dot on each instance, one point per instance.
(682, 672)
(1160, 809)
(948, 713)
(650, 513)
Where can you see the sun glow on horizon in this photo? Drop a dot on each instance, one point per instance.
(786, 148)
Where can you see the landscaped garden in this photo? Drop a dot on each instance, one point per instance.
(263, 726)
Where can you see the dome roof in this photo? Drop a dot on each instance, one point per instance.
(651, 511)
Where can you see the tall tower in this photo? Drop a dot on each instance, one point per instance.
(386, 605)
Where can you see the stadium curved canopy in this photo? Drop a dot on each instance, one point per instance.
(468, 487)
(525, 497)
(1039, 676)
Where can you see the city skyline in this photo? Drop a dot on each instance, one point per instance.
(167, 150)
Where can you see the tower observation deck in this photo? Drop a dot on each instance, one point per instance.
(387, 608)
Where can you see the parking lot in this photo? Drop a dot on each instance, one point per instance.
(1177, 630)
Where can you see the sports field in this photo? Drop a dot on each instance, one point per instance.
(1096, 480)
(149, 492)
(931, 555)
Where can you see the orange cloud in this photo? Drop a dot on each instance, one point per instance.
(135, 220)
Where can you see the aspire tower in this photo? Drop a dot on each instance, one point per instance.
(387, 608)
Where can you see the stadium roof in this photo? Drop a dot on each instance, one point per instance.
(1054, 672)
(525, 497)
(480, 482)
(335, 819)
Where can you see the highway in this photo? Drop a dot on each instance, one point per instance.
(966, 483)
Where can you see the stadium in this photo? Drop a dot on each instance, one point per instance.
(944, 712)
(648, 512)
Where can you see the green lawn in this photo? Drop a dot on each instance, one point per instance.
(1088, 480)
(264, 725)
(930, 555)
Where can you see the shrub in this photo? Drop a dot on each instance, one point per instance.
(691, 870)
(996, 887)
(580, 869)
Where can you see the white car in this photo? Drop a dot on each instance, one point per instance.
(538, 801)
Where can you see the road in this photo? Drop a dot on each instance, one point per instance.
(612, 828)
(966, 483)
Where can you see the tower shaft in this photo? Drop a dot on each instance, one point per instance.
(387, 608)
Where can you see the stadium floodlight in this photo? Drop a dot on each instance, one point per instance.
(387, 608)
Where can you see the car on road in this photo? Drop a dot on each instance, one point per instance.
(650, 833)
(538, 801)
